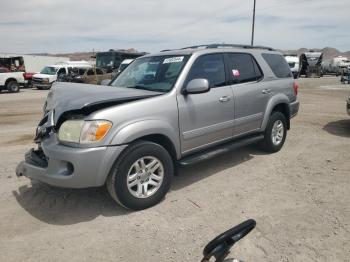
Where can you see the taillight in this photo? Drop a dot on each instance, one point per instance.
(295, 87)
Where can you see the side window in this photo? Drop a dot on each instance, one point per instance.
(243, 68)
(81, 71)
(99, 71)
(61, 71)
(90, 72)
(278, 65)
(210, 67)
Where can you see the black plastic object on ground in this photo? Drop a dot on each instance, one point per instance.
(220, 246)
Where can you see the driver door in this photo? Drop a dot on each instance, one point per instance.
(206, 119)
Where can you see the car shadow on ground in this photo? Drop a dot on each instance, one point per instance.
(338, 128)
(196, 172)
(59, 206)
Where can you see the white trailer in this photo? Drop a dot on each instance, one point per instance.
(34, 63)
(335, 65)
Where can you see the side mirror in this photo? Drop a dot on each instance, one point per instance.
(197, 86)
(105, 82)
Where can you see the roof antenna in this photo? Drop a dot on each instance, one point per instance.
(253, 25)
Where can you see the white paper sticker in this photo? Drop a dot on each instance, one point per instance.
(177, 59)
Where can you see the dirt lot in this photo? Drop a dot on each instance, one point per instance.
(299, 196)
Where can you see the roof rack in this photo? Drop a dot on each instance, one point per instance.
(228, 46)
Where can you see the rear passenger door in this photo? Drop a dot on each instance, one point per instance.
(250, 97)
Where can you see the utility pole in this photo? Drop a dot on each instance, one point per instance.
(252, 42)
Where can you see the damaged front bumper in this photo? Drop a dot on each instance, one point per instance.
(69, 167)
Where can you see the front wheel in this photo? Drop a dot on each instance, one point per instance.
(141, 176)
(275, 133)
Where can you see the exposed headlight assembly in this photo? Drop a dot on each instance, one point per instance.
(83, 132)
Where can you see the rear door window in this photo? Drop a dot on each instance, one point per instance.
(243, 68)
(61, 71)
(278, 65)
(210, 67)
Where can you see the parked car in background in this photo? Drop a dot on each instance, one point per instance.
(176, 107)
(12, 81)
(124, 65)
(86, 75)
(93, 76)
(49, 74)
(294, 64)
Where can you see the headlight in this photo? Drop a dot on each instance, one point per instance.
(83, 132)
(45, 80)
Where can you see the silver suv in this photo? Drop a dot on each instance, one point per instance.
(173, 108)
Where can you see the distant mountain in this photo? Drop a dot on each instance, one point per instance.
(72, 56)
(328, 52)
(76, 56)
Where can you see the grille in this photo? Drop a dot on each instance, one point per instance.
(37, 80)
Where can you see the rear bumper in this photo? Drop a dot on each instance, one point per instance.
(70, 167)
(294, 108)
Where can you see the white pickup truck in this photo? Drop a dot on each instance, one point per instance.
(11, 81)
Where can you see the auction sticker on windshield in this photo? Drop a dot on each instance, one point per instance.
(177, 59)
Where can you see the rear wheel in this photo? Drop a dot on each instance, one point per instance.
(12, 86)
(275, 133)
(141, 176)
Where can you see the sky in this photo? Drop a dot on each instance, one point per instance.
(39, 26)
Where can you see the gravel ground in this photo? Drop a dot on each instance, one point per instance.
(298, 196)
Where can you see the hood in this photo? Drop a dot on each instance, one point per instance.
(65, 97)
(43, 76)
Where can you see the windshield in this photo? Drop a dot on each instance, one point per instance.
(48, 70)
(155, 73)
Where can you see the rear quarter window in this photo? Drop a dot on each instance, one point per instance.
(278, 65)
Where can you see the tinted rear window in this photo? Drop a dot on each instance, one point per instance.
(243, 68)
(278, 65)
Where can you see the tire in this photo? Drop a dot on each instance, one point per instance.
(124, 168)
(269, 144)
(12, 87)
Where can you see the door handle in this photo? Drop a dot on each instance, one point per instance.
(266, 91)
(224, 99)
